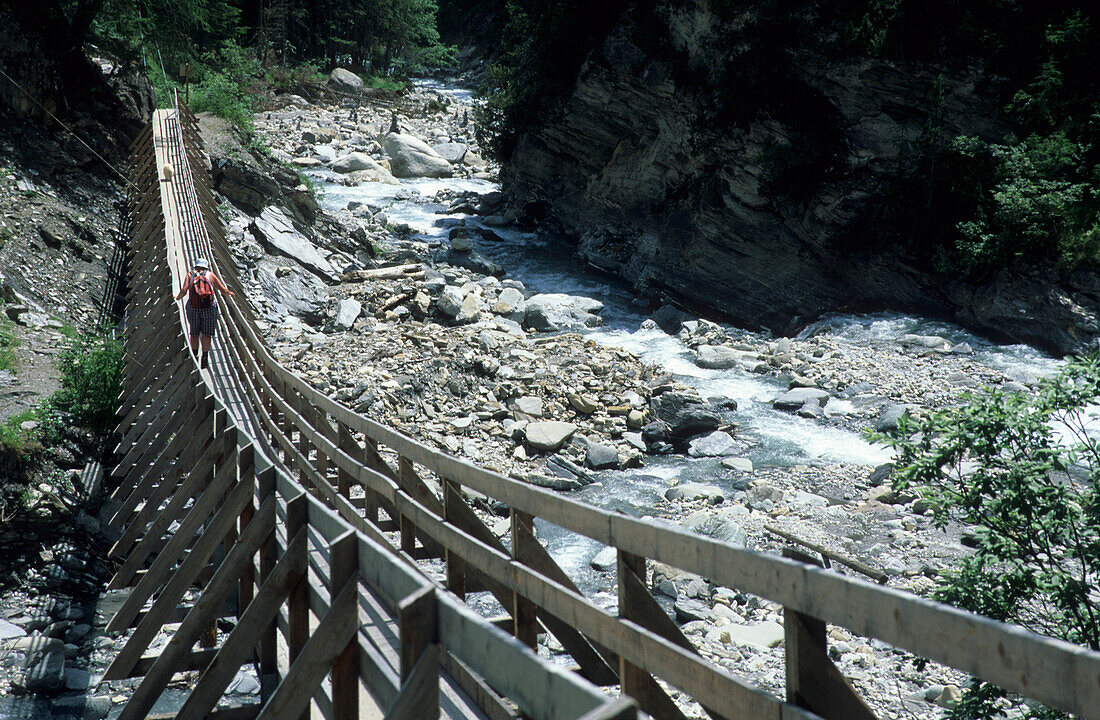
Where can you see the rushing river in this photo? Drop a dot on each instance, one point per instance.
(779, 438)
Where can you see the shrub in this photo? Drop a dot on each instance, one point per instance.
(1023, 471)
(91, 380)
(219, 94)
(8, 343)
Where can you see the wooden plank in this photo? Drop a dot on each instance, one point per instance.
(171, 593)
(540, 689)
(331, 636)
(707, 683)
(617, 709)
(598, 664)
(417, 619)
(343, 568)
(419, 696)
(182, 577)
(1051, 671)
(196, 621)
(288, 571)
(524, 614)
(475, 686)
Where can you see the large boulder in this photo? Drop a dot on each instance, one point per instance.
(411, 157)
(717, 357)
(555, 312)
(355, 161)
(451, 152)
(345, 81)
(275, 230)
(685, 414)
(347, 312)
(549, 435)
(297, 293)
(799, 397)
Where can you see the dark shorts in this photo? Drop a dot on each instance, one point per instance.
(203, 321)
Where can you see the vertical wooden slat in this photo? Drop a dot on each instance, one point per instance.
(344, 567)
(524, 617)
(456, 566)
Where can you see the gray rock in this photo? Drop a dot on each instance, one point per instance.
(530, 405)
(509, 302)
(565, 468)
(695, 491)
(276, 230)
(548, 436)
(601, 457)
(717, 444)
(717, 527)
(451, 152)
(554, 483)
(345, 81)
(347, 312)
(353, 162)
(717, 357)
(76, 679)
(635, 440)
(9, 631)
(685, 414)
(556, 312)
(891, 416)
(739, 464)
(450, 301)
(48, 675)
(795, 399)
(763, 635)
(670, 318)
(411, 157)
(469, 310)
(605, 560)
(930, 342)
(690, 610)
(300, 294)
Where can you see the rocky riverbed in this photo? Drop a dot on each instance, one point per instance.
(428, 334)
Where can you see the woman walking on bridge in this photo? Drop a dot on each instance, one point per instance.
(202, 306)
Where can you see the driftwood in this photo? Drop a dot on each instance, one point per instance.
(857, 565)
(384, 273)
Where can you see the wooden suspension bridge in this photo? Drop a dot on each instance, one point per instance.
(246, 496)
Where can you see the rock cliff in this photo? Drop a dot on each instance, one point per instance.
(690, 162)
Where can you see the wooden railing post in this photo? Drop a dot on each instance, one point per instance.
(813, 681)
(524, 614)
(633, 680)
(344, 566)
(456, 566)
(297, 516)
(418, 623)
(268, 641)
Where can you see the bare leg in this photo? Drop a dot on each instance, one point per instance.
(195, 344)
(206, 343)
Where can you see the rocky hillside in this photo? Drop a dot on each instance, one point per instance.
(677, 163)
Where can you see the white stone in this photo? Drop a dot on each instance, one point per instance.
(763, 635)
(717, 444)
(347, 312)
(548, 435)
(411, 157)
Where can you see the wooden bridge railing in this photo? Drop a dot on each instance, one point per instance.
(409, 503)
(333, 622)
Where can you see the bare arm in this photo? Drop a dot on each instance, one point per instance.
(186, 287)
(217, 282)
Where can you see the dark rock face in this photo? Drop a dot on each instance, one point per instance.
(637, 170)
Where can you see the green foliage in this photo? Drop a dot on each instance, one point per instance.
(8, 342)
(1023, 471)
(1036, 202)
(91, 380)
(381, 82)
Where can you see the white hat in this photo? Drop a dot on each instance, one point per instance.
(201, 263)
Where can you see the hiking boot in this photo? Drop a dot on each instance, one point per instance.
(203, 363)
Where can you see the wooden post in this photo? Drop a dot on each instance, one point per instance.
(634, 680)
(456, 566)
(297, 516)
(813, 681)
(265, 486)
(408, 530)
(344, 566)
(524, 615)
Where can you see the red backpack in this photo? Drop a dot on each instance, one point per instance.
(201, 293)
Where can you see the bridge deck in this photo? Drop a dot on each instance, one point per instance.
(185, 240)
